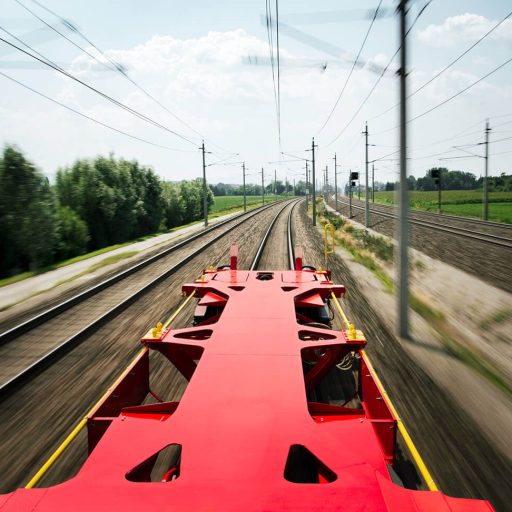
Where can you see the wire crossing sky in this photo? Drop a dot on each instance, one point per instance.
(160, 78)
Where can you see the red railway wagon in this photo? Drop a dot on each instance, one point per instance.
(262, 424)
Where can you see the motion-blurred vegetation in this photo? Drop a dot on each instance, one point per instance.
(93, 204)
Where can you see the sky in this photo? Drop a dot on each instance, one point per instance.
(191, 57)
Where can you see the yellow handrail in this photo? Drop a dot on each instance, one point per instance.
(401, 427)
(328, 227)
(83, 422)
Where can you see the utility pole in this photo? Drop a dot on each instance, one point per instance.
(359, 189)
(275, 182)
(286, 186)
(486, 175)
(335, 184)
(205, 199)
(314, 181)
(307, 185)
(293, 187)
(367, 188)
(245, 198)
(326, 185)
(373, 182)
(262, 187)
(403, 202)
(350, 192)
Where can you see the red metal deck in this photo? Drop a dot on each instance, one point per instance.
(243, 415)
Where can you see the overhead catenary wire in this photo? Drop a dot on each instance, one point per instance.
(384, 71)
(97, 121)
(447, 100)
(354, 64)
(269, 25)
(114, 66)
(448, 66)
(132, 111)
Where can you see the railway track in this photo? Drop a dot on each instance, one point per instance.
(41, 409)
(27, 348)
(482, 249)
(433, 223)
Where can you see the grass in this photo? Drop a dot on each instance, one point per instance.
(100, 264)
(467, 203)
(229, 204)
(25, 275)
(497, 317)
(366, 250)
(223, 206)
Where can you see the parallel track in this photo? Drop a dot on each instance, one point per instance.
(488, 238)
(29, 340)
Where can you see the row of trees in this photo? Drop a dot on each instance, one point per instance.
(280, 188)
(456, 180)
(93, 204)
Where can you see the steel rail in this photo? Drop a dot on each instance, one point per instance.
(83, 422)
(291, 251)
(447, 216)
(46, 315)
(420, 464)
(65, 346)
(265, 238)
(462, 232)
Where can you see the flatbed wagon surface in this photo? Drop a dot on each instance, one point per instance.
(257, 427)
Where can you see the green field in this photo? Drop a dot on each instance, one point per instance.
(466, 203)
(228, 204)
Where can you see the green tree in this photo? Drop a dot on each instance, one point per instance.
(73, 234)
(28, 227)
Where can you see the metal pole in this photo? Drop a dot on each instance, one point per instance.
(314, 182)
(275, 182)
(245, 198)
(439, 186)
(367, 188)
(335, 184)
(486, 175)
(205, 200)
(293, 187)
(403, 203)
(262, 187)
(307, 185)
(326, 185)
(350, 192)
(373, 183)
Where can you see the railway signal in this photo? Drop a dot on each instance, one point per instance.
(435, 174)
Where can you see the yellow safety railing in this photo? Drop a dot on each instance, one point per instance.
(83, 422)
(328, 248)
(401, 427)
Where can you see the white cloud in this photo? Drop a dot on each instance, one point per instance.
(463, 28)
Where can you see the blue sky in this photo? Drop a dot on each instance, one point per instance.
(188, 54)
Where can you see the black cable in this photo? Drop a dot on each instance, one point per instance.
(354, 64)
(89, 117)
(271, 53)
(278, 77)
(54, 66)
(380, 77)
(115, 65)
(448, 66)
(435, 107)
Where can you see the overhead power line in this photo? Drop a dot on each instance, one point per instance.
(277, 93)
(39, 93)
(435, 107)
(132, 111)
(448, 66)
(114, 66)
(354, 64)
(420, 13)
